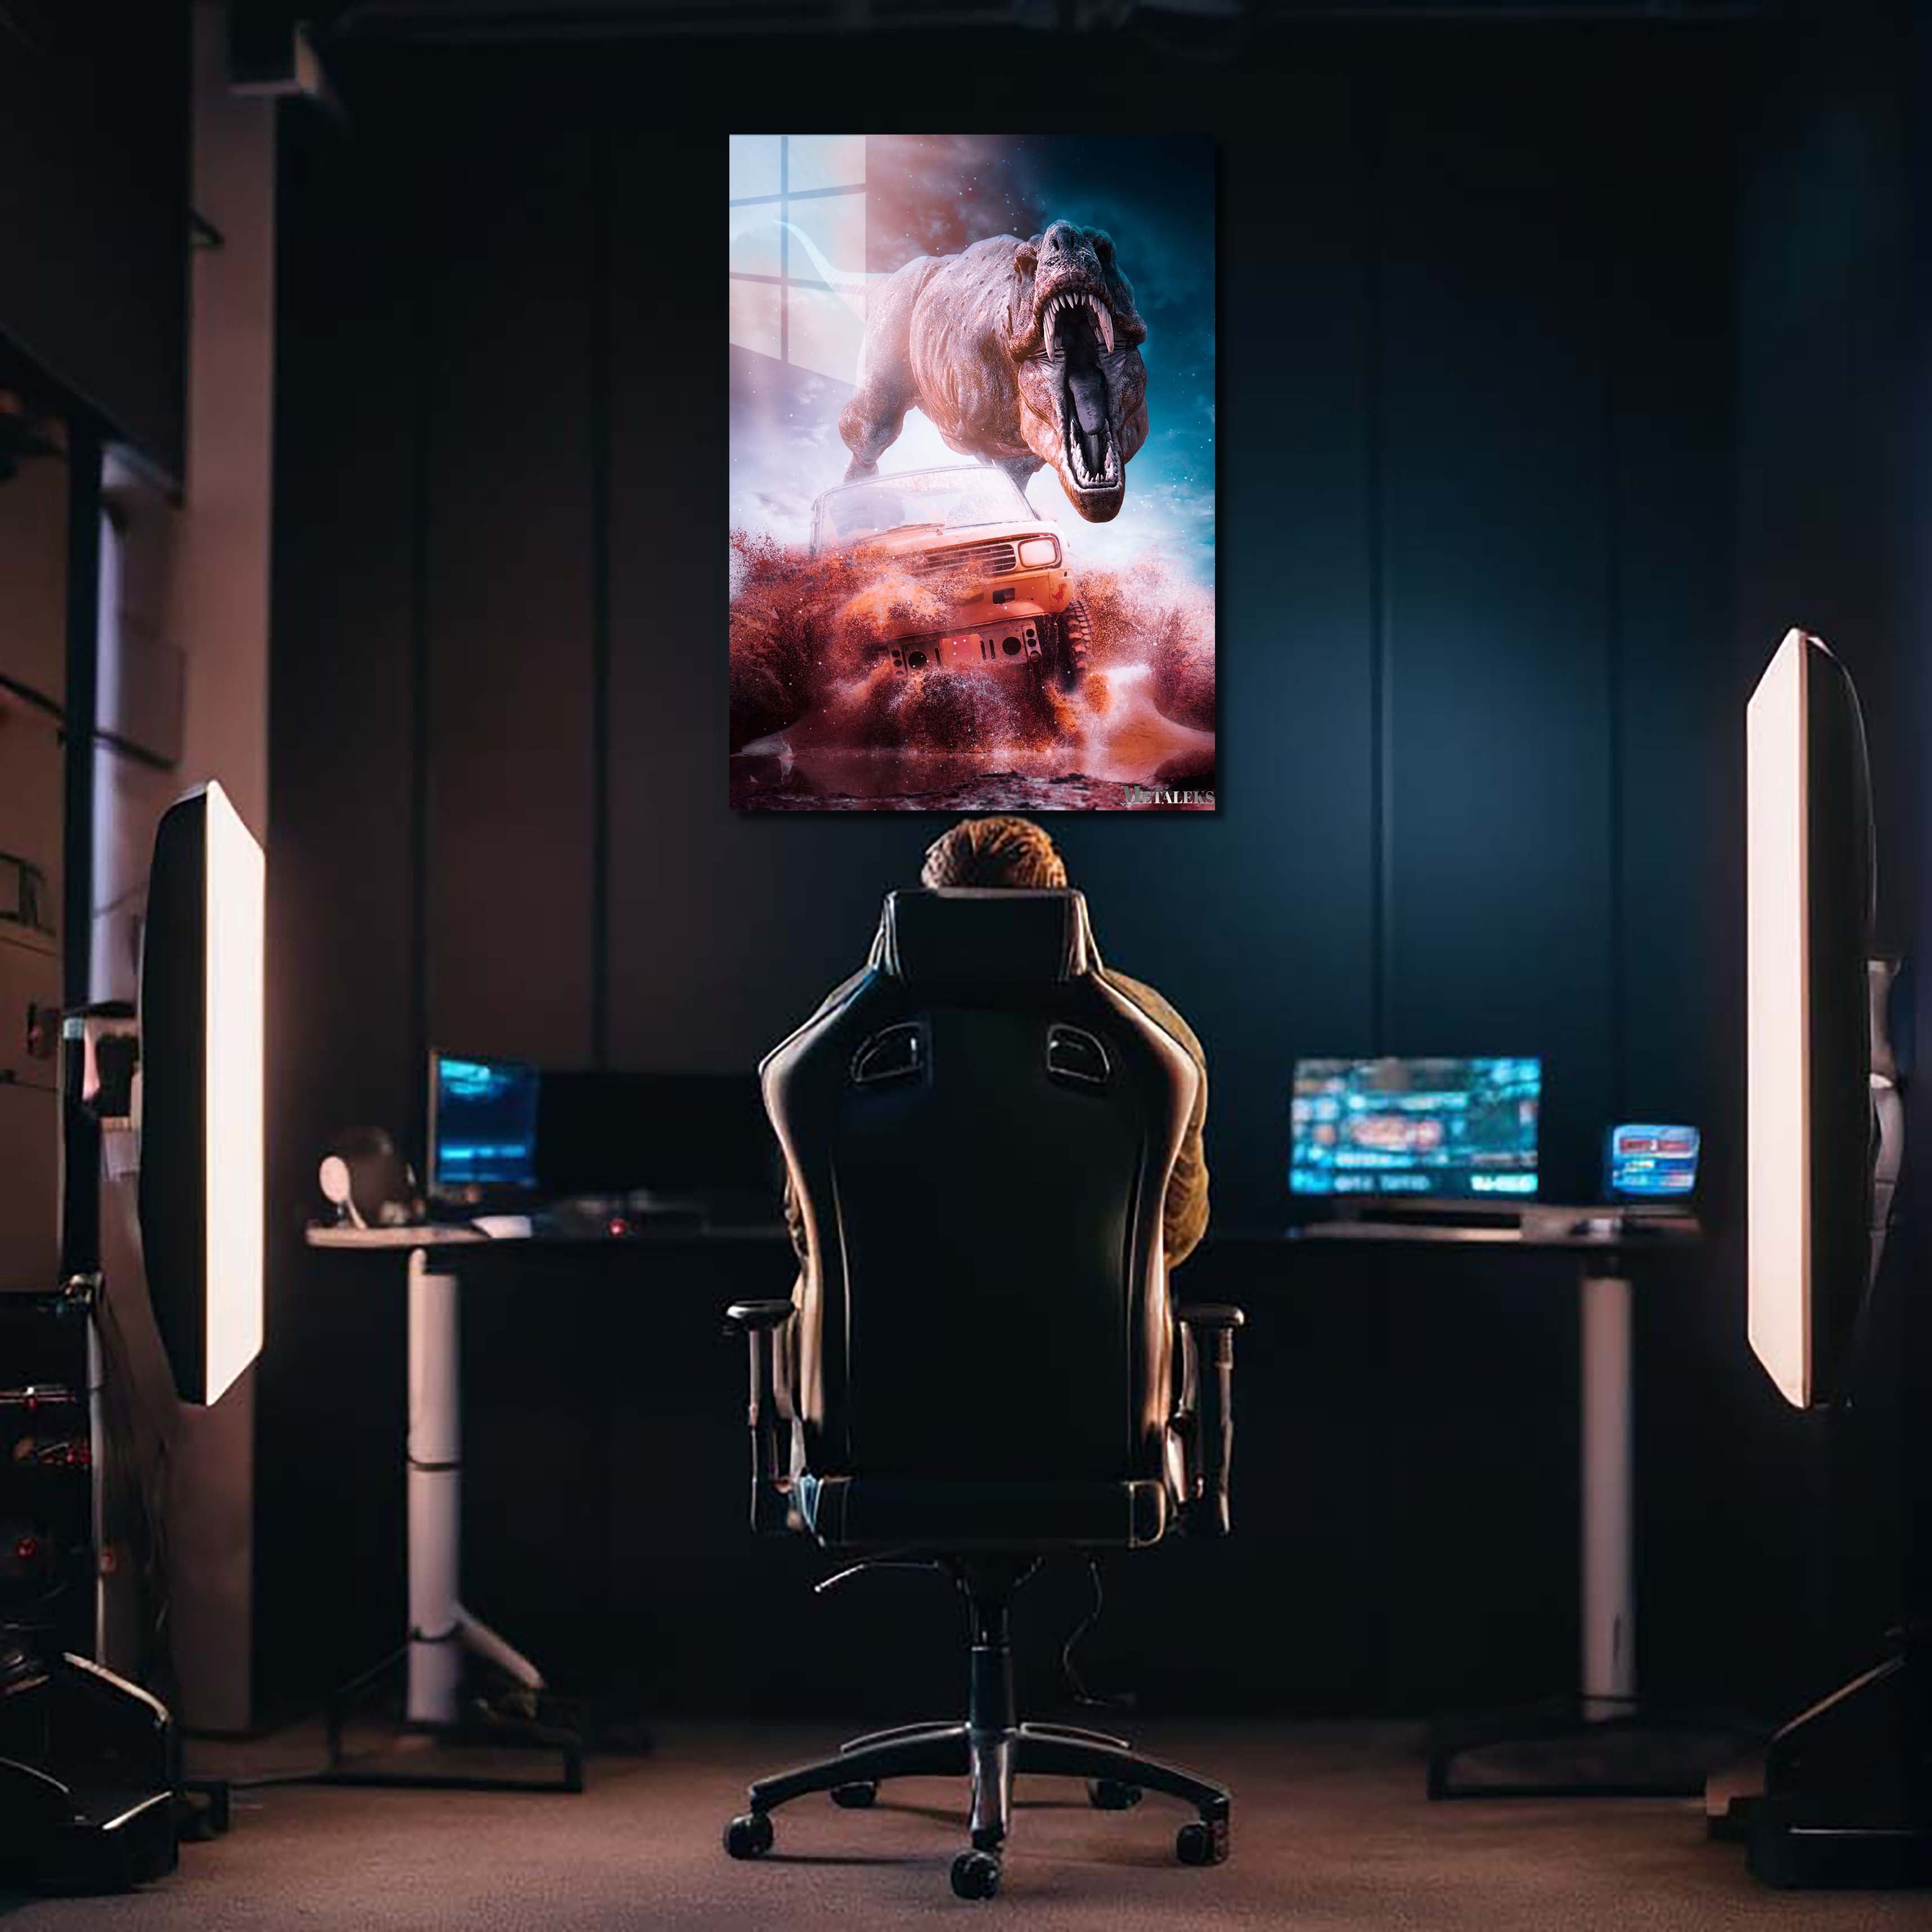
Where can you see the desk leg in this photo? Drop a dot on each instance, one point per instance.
(441, 1630)
(1608, 1679)
(434, 1476)
(1596, 1741)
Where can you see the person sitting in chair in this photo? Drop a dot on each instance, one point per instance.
(1015, 855)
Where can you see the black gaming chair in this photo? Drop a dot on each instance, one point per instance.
(983, 1364)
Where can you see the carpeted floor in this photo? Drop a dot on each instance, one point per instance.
(1330, 1830)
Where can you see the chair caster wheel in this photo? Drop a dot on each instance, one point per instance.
(1202, 1841)
(976, 1874)
(1109, 1794)
(749, 1836)
(855, 1797)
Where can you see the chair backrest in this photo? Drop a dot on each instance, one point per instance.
(980, 1135)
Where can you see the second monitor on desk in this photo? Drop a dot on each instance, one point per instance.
(505, 1136)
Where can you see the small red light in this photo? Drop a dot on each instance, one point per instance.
(26, 1548)
(618, 1225)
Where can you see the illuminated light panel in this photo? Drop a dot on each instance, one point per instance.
(232, 1077)
(1778, 1158)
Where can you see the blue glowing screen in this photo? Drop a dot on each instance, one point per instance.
(486, 1125)
(1452, 1129)
(1645, 1162)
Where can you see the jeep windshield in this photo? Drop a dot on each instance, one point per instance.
(949, 498)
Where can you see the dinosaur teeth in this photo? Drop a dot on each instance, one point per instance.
(1053, 319)
(1085, 477)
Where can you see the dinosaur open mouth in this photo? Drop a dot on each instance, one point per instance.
(1078, 329)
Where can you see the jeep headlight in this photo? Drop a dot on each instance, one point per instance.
(1039, 553)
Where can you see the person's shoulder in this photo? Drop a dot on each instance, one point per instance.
(1156, 1007)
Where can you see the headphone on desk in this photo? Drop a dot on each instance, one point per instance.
(367, 1182)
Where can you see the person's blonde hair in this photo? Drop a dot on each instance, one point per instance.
(1014, 854)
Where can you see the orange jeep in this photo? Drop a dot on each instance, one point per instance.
(1000, 572)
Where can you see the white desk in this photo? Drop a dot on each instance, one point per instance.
(441, 1629)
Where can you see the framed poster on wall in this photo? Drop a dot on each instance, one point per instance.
(972, 473)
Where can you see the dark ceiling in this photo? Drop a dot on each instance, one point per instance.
(609, 19)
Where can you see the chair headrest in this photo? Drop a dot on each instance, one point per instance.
(971, 936)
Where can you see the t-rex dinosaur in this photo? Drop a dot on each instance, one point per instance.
(1025, 354)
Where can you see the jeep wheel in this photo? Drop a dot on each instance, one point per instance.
(1073, 646)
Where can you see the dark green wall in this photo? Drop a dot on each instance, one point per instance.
(1486, 335)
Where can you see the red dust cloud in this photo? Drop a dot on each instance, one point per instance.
(820, 720)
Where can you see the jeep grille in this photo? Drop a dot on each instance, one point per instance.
(982, 560)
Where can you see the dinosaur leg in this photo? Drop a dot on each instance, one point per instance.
(870, 424)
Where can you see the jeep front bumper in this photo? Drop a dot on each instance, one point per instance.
(979, 647)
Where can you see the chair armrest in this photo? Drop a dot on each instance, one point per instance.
(1203, 1315)
(744, 1318)
(1209, 1327)
(763, 1325)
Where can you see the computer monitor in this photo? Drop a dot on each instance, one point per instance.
(202, 1072)
(607, 1131)
(482, 1129)
(1435, 1129)
(1646, 1163)
(1810, 894)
